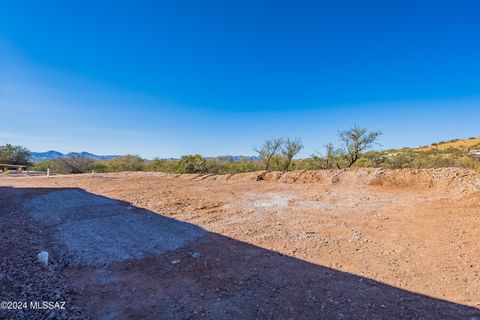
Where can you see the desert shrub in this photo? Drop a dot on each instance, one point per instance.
(277, 163)
(41, 166)
(313, 163)
(198, 164)
(429, 160)
(400, 161)
(366, 162)
(355, 142)
(71, 164)
(161, 165)
(11, 154)
(126, 163)
(452, 150)
(192, 164)
(242, 166)
(222, 166)
(278, 154)
(290, 148)
(467, 162)
(269, 151)
(476, 146)
(376, 159)
(100, 166)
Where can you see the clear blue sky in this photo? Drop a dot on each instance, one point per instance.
(166, 78)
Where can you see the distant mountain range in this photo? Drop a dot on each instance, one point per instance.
(52, 154)
(49, 155)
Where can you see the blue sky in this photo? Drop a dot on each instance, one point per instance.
(166, 78)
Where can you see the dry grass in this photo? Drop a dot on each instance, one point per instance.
(458, 144)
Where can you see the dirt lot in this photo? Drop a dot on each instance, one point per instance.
(350, 244)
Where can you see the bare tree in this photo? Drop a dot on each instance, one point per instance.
(72, 164)
(290, 149)
(355, 141)
(331, 155)
(269, 150)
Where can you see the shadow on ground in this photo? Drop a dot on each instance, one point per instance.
(122, 262)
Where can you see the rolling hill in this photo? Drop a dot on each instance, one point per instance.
(52, 154)
(471, 143)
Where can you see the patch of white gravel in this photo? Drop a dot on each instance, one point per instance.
(271, 201)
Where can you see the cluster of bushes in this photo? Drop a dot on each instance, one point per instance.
(79, 164)
(186, 164)
(278, 154)
(273, 154)
(419, 160)
(198, 164)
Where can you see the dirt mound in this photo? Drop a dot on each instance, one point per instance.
(456, 178)
(453, 179)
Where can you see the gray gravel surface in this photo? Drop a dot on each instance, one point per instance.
(88, 229)
(22, 278)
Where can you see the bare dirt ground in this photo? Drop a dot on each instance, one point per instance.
(350, 244)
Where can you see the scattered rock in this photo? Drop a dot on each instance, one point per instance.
(42, 257)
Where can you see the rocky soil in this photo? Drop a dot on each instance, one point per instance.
(340, 244)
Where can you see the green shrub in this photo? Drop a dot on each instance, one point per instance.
(219, 166)
(41, 166)
(192, 164)
(161, 165)
(100, 166)
(126, 163)
(312, 163)
(11, 154)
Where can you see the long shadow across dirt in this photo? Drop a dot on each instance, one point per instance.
(201, 276)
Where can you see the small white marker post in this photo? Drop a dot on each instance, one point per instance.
(48, 172)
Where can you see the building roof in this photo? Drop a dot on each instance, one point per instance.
(15, 166)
